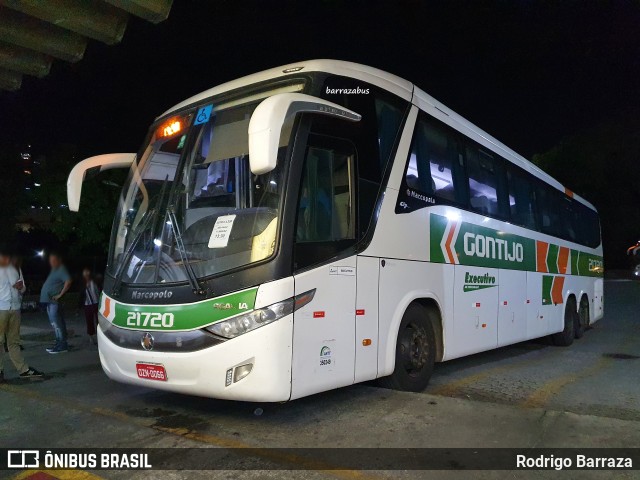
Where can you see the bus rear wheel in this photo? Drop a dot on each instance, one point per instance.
(415, 351)
(583, 317)
(566, 336)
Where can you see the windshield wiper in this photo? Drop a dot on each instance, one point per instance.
(193, 279)
(151, 214)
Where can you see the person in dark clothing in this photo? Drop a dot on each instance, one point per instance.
(89, 299)
(55, 286)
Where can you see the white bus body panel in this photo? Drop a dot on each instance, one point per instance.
(392, 83)
(512, 307)
(324, 329)
(366, 341)
(402, 282)
(538, 321)
(203, 372)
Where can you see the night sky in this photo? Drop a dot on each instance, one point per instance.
(530, 73)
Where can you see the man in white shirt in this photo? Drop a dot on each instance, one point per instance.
(11, 288)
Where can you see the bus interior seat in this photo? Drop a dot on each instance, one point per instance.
(481, 204)
(420, 185)
(448, 192)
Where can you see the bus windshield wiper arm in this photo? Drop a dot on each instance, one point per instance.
(193, 279)
(141, 229)
(129, 252)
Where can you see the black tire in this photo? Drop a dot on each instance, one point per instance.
(566, 336)
(415, 351)
(583, 317)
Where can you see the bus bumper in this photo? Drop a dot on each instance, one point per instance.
(204, 372)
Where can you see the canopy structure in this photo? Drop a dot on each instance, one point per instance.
(34, 33)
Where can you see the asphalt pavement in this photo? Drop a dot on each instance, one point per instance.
(531, 394)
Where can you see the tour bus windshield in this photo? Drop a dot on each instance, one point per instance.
(191, 203)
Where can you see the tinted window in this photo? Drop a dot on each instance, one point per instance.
(563, 217)
(490, 185)
(548, 214)
(325, 211)
(486, 182)
(435, 168)
(569, 223)
(375, 134)
(587, 226)
(521, 198)
(326, 215)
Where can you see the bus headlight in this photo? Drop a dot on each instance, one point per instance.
(260, 317)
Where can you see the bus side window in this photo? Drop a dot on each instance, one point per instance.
(486, 183)
(375, 135)
(435, 167)
(326, 222)
(521, 198)
(548, 212)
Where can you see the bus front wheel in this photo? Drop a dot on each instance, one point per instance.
(415, 351)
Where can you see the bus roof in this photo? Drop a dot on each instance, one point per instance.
(399, 87)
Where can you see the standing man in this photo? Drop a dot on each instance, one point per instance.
(10, 298)
(55, 286)
(89, 298)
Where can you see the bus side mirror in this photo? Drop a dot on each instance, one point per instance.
(98, 163)
(268, 118)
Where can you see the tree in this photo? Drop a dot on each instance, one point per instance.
(88, 229)
(12, 193)
(603, 166)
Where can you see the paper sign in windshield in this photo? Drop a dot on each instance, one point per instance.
(221, 231)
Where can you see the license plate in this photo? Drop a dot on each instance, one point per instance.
(150, 371)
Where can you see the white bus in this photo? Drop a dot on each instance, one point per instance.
(326, 223)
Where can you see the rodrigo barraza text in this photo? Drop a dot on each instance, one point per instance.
(580, 461)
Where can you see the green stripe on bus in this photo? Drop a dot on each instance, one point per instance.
(574, 261)
(552, 258)
(479, 246)
(547, 284)
(590, 265)
(438, 226)
(188, 316)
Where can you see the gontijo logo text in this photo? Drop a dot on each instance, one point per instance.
(495, 248)
(462, 243)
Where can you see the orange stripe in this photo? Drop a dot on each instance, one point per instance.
(447, 244)
(568, 192)
(563, 260)
(556, 290)
(542, 248)
(107, 307)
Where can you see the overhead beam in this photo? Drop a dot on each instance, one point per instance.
(10, 80)
(23, 60)
(154, 11)
(90, 18)
(27, 32)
